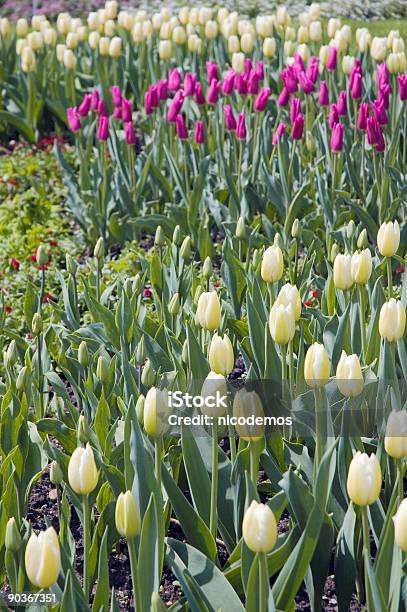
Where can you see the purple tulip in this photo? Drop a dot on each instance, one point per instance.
(342, 104)
(279, 133)
(306, 84)
(372, 130)
(174, 79)
(298, 127)
(116, 95)
(363, 115)
(253, 83)
(323, 98)
(162, 89)
(199, 94)
(199, 133)
(214, 90)
(248, 66)
(379, 112)
(298, 64)
(129, 133)
(181, 128)
(127, 110)
(356, 86)
(295, 108)
(313, 69)
(175, 106)
(337, 138)
(189, 84)
(289, 78)
(260, 70)
(154, 96)
(228, 82)
(102, 110)
(103, 128)
(332, 58)
(355, 70)
(84, 108)
(230, 121)
(241, 132)
(74, 122)
(148, 107)
(212, 71)
(241, 83)
(402, 81)
(382, 75)
(95, 100)
(384, 95)
(117, 113)
(260, 102)
(333, 115)
(284, 97)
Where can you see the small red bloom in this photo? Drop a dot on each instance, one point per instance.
(43, 267)
(7, 309)
(308, 303)
(216, 285)
(400, 270)
(53, 243)
(14, 263)
(48, 297)
(147, 293)
(314, 293)
(33, 257)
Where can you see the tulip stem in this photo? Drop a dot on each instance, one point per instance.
(319, 449)
(86, 545)
(263, 580)
(389, 277)
(214, 481)
(365, 528)
(290, 167)
(362, 322)
(253, 463)
(40, 377)
(400, 467)
(134, 574)
(157, 461)
(97, 279)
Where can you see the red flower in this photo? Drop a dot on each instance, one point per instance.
(308, 303)
(314, 292)
(48, 297)
(33, 257)
(147, 293)
(14, 263)
(216, 285)
(400, 270)
(7, 309)
(53, 243)
(43, 267)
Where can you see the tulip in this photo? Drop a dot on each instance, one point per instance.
(43, 558)
(12, 541)
(95, 100)
(349, 377)
(361, 266)
(283, 98)
(342, 272)
(162, 89)
(363, 116)
(84, 107)
(127, 515)
(395, 441)
(260, 103)
(69, 59)
(333, 26)
(181, 128)
(289, 78)
(356, 87)
(230, 121)
(252, 82)
(282, 323)
(247, 404)
(189, 84)
(74, 122)
(392, 320)
(238, 62)
(323, 55)
(214, 385)
(209, 311)
(364, 479)
(313, 69)
(175, 106)
(260, 70)
(316, 367)
(174, 79)
(298, 127)
(199, 95)
(290, 296)
(342, 105)
(213, 93)
(272, 265)
(306, 84)
(228, 83)
(379, 111)
(269, 47)
(241, 127)
(82, 471)
(388, 238)
(332, 58)
(295, 108)
(103, 128)
(259, 528)
(337, 138)
(165, 49)
(279, 133)
(116, 95)
(115, 47)
(156, 410)
(129, 133)
(400, 526)
(402, 82)
(221, 357)
(212, 71)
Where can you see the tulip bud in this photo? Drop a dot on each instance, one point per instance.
(240, 229)
(221, 357)
(316, 367)
(296, 229)
(69, 59)
(334, 252)
(94, 40)
(269, 47)
(83, 354)
(400, 526)
(55, 473)
(333, 26)
(282, 323)
(185, 250)
(342, 272)
(165, 49)
(21, 28)
(43, 558)
(137, 284)
(309, 141)
(209, 311)
(248, 404)
(176, 237)
(148, 374)
(13, 539)
(349, 377)
(315, 31)
(36, 324)
(272, 265)
(102, 369)
(238, 62)
(41, 256)
(11, 354)
(259, 528)
(82, 471)
(159, 236)
(71, 265)
(361, 266)
(256, 258)
(99, 250)
(350, 229)
(395, 441)
(323, 55)
(140, 408)
(199, 290)
(127, 515)
(115, 47)
(174, 305)
(22, 378)
(364, 479)
(141, 351)
(214, 386)
(156, 410)
(392, 320)
(388, 238)
(290, 296)
(207, 268)
(362, 240)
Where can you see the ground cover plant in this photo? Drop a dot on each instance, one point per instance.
(219, 213)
